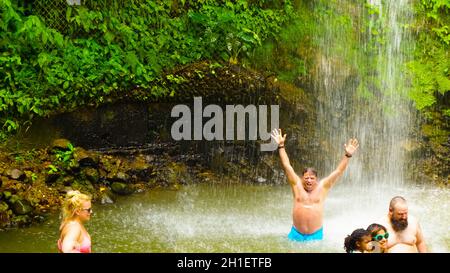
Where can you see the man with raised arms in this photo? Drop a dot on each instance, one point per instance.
(309, 193)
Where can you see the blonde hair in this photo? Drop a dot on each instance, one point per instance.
(74, 200)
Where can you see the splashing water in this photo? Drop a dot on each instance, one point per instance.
(229, 218)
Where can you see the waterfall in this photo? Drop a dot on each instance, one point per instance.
(361, 85)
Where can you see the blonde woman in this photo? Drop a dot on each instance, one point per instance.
(74, 237)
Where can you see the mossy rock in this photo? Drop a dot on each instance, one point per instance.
(4, 215)
(121, 188)
(65, 180)
(85, 158)
(121, 176)
(61, 144)
(6, 195)
(16, 174)
(106, 196)
(435, 134)
(83, 186)
(91, 174)
(3, 207)
(52, 178)
(21, 220)
(13, 198)
(22, 207)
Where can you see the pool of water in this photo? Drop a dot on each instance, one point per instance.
(236, 218)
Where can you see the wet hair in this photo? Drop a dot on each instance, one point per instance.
(350, 242)
(374, 228)
(74, 200)
(395, 201)
(310, 170)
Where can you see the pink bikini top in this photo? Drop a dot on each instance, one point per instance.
(85, 246)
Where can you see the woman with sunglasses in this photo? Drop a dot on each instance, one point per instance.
(379, 236)
(74, 237)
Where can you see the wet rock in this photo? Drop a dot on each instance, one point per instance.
(61, 144)
(141, 174)
(206, 176)
(51, 178)
(106, 196)
(13, 199)
(3, 206)
(74, 167)
(413, 148)
(91, 174)
(30, 176)
(6, 195)
(120, 177)
(4, 215)
(121, 188)
(21, 220)
(109, 165)
(83, 186)
(85, 158)
(39, 218)
(260, 179)
(140, 170)
(22, 207)
(16, 174)
(66, 180)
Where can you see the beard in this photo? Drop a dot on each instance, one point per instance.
(399, 225)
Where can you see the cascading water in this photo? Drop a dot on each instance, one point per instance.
(361, 89)
(360, 86)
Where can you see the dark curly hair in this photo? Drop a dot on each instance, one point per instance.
(350, 242)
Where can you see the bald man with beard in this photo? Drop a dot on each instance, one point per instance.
(405, 234)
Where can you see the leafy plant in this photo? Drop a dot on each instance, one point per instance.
(66, 157)
(97, 51)
(34, 177)
(52, 169)
(430, 69)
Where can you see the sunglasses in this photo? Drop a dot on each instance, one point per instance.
(88, 210)
(380, 237)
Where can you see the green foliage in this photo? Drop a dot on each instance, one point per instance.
(19, 159)
(325, 28)
(34, 177)
(52, 169)
(65, 158)
(108, 50)
(431, 66)
(287, 54)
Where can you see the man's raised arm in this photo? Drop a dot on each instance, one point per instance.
(290, 173)
(350, 148)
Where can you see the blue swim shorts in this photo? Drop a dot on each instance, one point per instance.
(295, 235)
